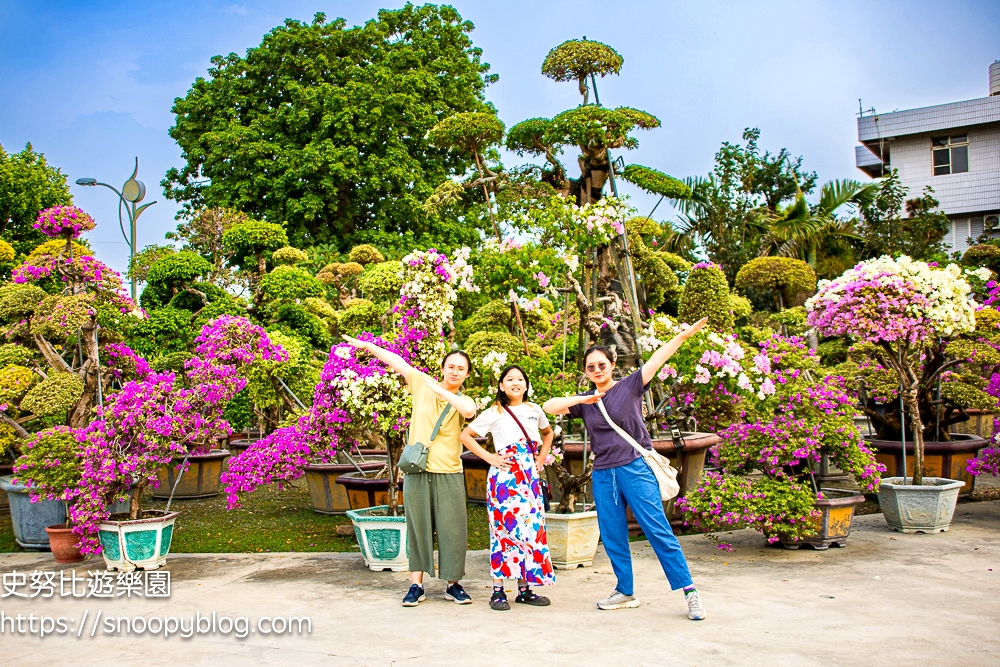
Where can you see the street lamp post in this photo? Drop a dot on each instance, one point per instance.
(132, 193)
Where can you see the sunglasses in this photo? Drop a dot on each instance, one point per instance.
(593, 367)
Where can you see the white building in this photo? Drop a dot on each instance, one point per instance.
(954, 148)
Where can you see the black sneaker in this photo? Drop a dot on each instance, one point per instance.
(499, 601)
(414, 596)
(457, 594)
(527, 596)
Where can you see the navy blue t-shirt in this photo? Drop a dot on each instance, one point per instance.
(624, 405)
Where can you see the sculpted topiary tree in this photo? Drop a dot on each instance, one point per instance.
(706, 294)
(784, 277)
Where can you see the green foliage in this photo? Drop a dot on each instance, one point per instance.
(299, 321)
(239, 412)
(832, 352)
(706, 294)
(320, 307)
(60, 316)
(656, 182)
(140, 264)
(324, 127)
(12, 353)
(290, 283)
(361, 315)
(164, 330)
(472, 131)
(598, 128)
(7, 253)
(189, 299)
(54, 395)
(789, 322)
(15, 380)
(660, 281)
(727, 211)
(382, 282)
(175, 270)
(782, 276)
(289, 255)
(366, 254)
(297, 372)
(577, 59)
(919, 235)
(250, 240)
(228, 306)
(18, 301)
(27, 185)
(202, 232)
(983, 254)
(51, 463)
(170, 362)
(740, 305)
(528, 136)
(482, 342)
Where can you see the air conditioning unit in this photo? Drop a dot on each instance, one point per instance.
(992, 223)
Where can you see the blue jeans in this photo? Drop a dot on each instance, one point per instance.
(634, 486)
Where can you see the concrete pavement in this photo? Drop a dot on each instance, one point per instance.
(886, 597)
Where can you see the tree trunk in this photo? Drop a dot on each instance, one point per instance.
(571, 486)
(394, 447)
(81, 413)
(135, 505)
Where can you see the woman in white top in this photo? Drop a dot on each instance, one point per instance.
(522, 437)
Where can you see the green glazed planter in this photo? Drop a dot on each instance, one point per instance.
(382, 538)
(142, 544)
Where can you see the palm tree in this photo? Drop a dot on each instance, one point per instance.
(807, 232)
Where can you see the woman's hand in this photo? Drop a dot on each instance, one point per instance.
(591, 399)
(539, 462)
(436, 388)
(355, 342)
(497, 461)
(694, 328)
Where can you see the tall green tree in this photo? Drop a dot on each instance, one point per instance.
(324, 128)
(28, 184)
(729, 210)
(884, 230)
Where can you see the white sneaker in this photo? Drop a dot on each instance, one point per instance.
(696, 612)
(618, 601)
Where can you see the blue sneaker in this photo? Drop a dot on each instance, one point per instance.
(414, 596)
(457, 594)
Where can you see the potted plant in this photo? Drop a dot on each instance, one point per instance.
(571, 529)
(909, 320)
(153, 419)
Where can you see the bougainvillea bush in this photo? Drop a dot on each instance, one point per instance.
(912, 322)
(766, 459)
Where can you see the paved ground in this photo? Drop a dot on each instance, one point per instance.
(885, 598)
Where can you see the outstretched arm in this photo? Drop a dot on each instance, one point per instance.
(560, 405)
(390, 359)
(651, 367)
(465, 405)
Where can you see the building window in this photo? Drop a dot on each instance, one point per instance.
(951, 154)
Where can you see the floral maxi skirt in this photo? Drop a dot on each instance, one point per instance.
(518, 546)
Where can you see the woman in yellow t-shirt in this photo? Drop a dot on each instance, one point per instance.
(435, 498)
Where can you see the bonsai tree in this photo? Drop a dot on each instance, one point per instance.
(250, 243)
(910, 318)
(51, 465)
(785, 278)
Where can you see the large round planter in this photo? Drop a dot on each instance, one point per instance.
(4, 502)
(364, 492)
(200, 480)
(62, 541)
(476, 473)
(980, 423)
(834, 525)
(572, 539)
(928, 508)
(327, 496)
(141, 544)
(243, 435)
(237, 447)
(941, 459)
(30, 519)
(382, 538)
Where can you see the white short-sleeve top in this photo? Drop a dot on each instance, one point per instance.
(505, 431)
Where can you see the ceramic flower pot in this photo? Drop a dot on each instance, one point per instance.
(572, 539)
(941, 459)
(200, 480)
(327, 496)
(928, 508)
(833, 526)
(141, 544)
(30, 519)
(62, 541)
(364, 492)
(382, 538)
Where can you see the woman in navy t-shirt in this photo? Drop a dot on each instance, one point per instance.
(621, 477)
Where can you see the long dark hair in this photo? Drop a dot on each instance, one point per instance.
(606, 351)
(502, 400)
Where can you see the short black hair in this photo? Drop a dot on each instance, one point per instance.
(459, 352)
(606, 351)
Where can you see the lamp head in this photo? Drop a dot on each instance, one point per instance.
(86, 181)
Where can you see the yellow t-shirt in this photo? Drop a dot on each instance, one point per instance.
(444, 452)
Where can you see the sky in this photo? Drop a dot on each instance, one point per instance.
(91, 84)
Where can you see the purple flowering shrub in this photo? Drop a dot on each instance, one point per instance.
(63, 222)
(157, 417)
(782, 436)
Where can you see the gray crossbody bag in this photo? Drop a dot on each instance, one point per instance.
(414, 456)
